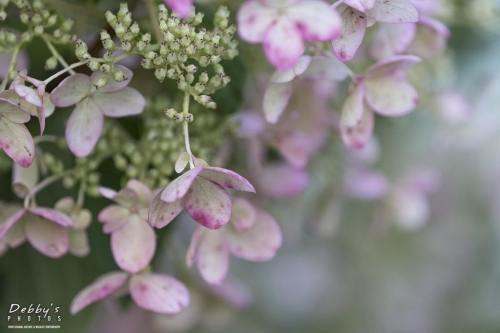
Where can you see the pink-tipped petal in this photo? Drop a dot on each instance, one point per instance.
(359, 135)
(144, 194)
(283, 44)
(84, 127)
(353, 32)
(393, 11)
(71, 90)
(208, 203)
(391, 96)
(159, 293)
(29, 94)
(392, 39)
(161, 213)
(133, 245)
(352, 109)
(254, 20)
(391, 66)
(213, 257)
(177, 188)
(196, 238)
(181, 7)
(17, 142)
(122, 103)
(227, 178)
(360, 5)
(316, 20)
(259, 243)
(243, 214)
(53, 215)
(47, 237)
(7, 224)
(276, 99)
(282, 76)
(108, 193)
(101, 288)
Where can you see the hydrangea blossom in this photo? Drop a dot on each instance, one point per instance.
(78, 239)
(385, 90)
(85, 124)
(202, 191)
(181, 7)
(154, 292)
(251, 234)
(133, 241)
(283, 25)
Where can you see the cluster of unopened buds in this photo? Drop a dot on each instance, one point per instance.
(307, 42)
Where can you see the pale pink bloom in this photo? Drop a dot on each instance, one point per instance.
(360, 14)
(364, 184)
(24, 179)
(182, 7)
(251, 234)
(46, 229)
(154, 292)
(133, 241)
(430, 38)
(15, 236)
(78, 239)
(202, 191)
(383, 89)
(283, 25)
(453, 107)
(85, 124)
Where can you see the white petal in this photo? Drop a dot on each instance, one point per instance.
(352, 109)
(392, 39)
(16, 142)
(393, 11)
(71, 90)
(276, 99)
(47, 237)
(254, 20)
(359, 135)
(353, 31)
(121, 103)
(213, 257)
(84, 127)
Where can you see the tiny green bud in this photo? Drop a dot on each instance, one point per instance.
(175, 45)
(146, 63)
(120, 162)
(37, 4)
(150, 55)
(189, 78)
(68, 182)
(158, 61)
(126, 46)
(108, 44)
(38, 30)
(160, 74)
(162, 12)
(123, 10)
(51, 63)
(204, 61)
(189, 117)
(24, 17)
(191, 69)
(182, 57)
(67, 25)
(51, 20)
(178, 118)
(94, 65)
(140, 46)
(170, 113)
(172, 57)
(146, 38)
(172, 74)
(198, 18)
(119, 76)
(119, 28)
(163, 49)
(105, 68)
(191, 49)
(110, 18)
(134, 29)
(182, 84)
(203, 77)
(101, 82)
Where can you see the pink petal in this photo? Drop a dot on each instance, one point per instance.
(144, 194)
(282, 76)
(112, 84)
(208, 203)
(276, 99)
(430, 39)
(48, 238)
(121, 103)
(111, 213)
(393, 11)
(365, 184)
(326, 68)
(360, 5)
(181, 7)
(159, 293)
(353, 32)
(391, 66)
(101, 288)
(16, 142)
(352, 110)
(16, 235)
(392, 39)
(317, 20)
(71, 90)
(282, 180)
(161, 213)
(177, 188)
(78, 243)
(53, 215)
(7, 224)
(196, 238)
(254, 20)
(133, 245)
(12, 111)
(213, 257)
(391, 96)
(243, 215)
(227, 178)
(29, 94)
(283, 44)
(84, 127)
(259, 243)
(359, 135)
(108, 193)
(126, 197)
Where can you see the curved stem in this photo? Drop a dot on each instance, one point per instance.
(70, 67)
(13, 61)
(40, 186)
(185, 129)
(56, 54)
(81, 193)
(154, 20)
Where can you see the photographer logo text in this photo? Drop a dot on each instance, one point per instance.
(34, 316)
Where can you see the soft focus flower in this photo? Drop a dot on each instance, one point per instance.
(181, 7)
(360, 14)
(202, 191)
(85, 124)
(154, 292)
(78, 240)
(282, 25)
(251, 234)
(384, 90)
(46, 229)
(133, 241)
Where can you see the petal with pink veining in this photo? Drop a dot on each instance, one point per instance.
(283, 43)
(282, 76)
(359, 135)
(29, 94)
(133, 245)
(254, 20)
(259, 243)
(353, 32)
(17, 142)
(316, 20)
(393, 11)
(101, 288)
(227, 178)
(194, 244)
(360, 5)
(161, 213)
(49, 238)
(177, 188)
(391, 96)
(159, 293)
(391, 39)
(84, 127)
(352, 109)
(276, 99)
(7, 224)
(208, 203)
(243, 214)
(53, 215)
(71, 90)
(213, 257)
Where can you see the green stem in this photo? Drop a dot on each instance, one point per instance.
(70, 67)
(81, 193)
(55, 53)
(154, 20)
(185, 129)
(13, 61)
(40, 186)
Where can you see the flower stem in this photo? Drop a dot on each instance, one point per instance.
(154, 20)
(81, 194)
(70, 67)
(13, 60)
(40, 186)
(185, 130)
(56, 54)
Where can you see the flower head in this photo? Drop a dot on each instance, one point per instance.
(181, 7)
